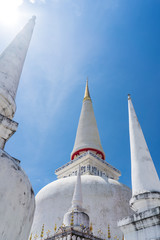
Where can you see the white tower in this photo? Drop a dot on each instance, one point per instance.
(17, 197)
(145, 199)
(145, 180)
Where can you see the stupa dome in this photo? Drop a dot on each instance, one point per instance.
(106, 201)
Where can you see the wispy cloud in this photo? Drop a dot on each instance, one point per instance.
(34, 1)
(13, 3)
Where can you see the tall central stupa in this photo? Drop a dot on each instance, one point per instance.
(105, 199)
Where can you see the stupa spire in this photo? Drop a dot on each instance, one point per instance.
(144, 175)
(76, 215)
(11, 65)
(87, 137)
(77, 196)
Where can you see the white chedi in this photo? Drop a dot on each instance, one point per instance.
(16, 194)
(105, 200)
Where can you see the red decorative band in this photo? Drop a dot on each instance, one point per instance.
(97, 152)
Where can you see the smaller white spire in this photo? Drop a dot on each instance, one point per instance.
(76, 216)
(144, 175)
(77, 196)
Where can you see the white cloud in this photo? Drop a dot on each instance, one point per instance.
(33, 1)
(13, 3)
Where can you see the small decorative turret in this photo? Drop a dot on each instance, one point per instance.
(87, 137)
(77, 196)
(109, 232)
(55, 227)
(42, 232)
(48, 233)
(76, 216)
(72, 219)
(145, 181)
(91, 228)
(30, 238)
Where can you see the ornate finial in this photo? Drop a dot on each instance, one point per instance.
(42, 231)
(129, 96)
(30, 238)
(91, 228)
(48, 232)
(33, 18)
(72, 219)
(86, 94)
(109, 232)
(36, 236)
(55, 227)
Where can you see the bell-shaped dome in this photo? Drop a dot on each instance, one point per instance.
(17, 200)
(105, 202)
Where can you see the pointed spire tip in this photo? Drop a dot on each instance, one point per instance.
(129, 96)
(87, 95)
(33, 18)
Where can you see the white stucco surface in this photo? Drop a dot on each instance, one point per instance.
(143, 226)
(17, 200)
(105, 202)
(144, 175)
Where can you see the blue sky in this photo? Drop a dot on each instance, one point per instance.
(116, 43)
